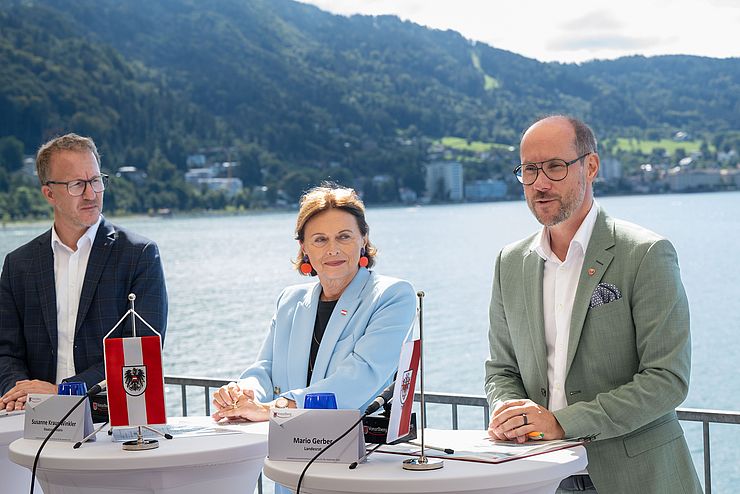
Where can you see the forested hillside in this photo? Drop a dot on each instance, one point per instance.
(295, 94)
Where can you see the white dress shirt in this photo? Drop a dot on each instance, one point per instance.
(69, 276)
(559, 285)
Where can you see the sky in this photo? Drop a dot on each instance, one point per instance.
(573, 30)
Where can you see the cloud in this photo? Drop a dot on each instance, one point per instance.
(601, 20)
(586, 29)
(731, 4)
(606, 41)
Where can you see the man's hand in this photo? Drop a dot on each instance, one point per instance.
(16, 405)
(15, 398)
(514, 419)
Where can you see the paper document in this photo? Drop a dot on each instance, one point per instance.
(474, 445)
(174, 428)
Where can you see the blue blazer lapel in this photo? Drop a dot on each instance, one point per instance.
(45, 283)
(532, 274)
(301, 333)
(102, 246)
(597, 258)
(346, 307)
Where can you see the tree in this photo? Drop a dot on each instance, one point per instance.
(295, 183)
(11, 153)
(27, 202)
(160, 168)
(4, 181)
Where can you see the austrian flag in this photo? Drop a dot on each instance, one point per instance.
(133, 370)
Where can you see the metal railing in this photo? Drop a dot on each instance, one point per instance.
(705, 417)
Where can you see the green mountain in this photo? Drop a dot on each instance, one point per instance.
(296, 94)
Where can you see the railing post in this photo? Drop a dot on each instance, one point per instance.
(707, 459)
(208, 403)
(184, 398)
(454, 417)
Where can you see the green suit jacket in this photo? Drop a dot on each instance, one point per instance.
(628, 361)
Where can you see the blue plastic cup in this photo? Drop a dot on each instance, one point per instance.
(72, 388)
(320, 400)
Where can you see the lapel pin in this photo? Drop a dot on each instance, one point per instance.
(591, 271)
(343, 312)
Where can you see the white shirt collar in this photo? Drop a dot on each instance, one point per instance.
(580, 239)
(88, 236)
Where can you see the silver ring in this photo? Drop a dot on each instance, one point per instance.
(525, 419)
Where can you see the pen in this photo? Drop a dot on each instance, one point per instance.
(449, 451)
(354, 464)
(536, 435)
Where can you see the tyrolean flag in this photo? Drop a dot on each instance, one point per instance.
(403, 392)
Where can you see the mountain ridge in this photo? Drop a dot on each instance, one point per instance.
(299, 93)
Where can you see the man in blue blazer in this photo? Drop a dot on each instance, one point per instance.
(63, 291)
(590, 328)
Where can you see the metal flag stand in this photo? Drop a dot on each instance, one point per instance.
(139, 444)
(422, 463)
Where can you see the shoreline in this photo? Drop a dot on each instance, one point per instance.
(262, 211)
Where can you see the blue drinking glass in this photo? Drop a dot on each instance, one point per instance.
(72, 388)
(320, 400)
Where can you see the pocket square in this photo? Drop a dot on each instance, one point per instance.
(603, 294)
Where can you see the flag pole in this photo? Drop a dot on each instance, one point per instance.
(422, 462)
(132, 297)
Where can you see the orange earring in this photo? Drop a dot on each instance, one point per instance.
(364, 261)
(306, 267)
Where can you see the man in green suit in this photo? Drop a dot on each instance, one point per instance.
(589, 327)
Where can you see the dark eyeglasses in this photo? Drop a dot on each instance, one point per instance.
(555, 169)
(77, 187)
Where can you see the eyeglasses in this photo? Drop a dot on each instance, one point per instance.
(555, 169)
(77, 187)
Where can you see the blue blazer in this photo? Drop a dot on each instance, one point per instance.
(120, 263)
(359, 350)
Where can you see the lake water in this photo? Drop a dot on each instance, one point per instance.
(224, 274)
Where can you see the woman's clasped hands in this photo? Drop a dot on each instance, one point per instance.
(233, 402)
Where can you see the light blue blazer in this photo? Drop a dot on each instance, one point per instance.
(359, 350)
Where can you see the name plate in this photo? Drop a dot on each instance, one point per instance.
(297, 434)
(43, 412)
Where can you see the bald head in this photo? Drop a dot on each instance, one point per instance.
(580, 135)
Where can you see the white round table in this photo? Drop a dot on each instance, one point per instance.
(14, 477)
(383, 473)
(183, 465)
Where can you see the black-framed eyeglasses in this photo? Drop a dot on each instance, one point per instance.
(555, 169)
(77, 187)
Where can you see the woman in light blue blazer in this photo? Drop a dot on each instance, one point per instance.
(342, 334)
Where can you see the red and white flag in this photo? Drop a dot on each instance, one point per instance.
(403, 392)
(133, 371)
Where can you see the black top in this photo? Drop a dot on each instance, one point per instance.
(323, 314)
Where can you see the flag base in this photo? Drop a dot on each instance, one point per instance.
(423, 463)
(140, 445)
